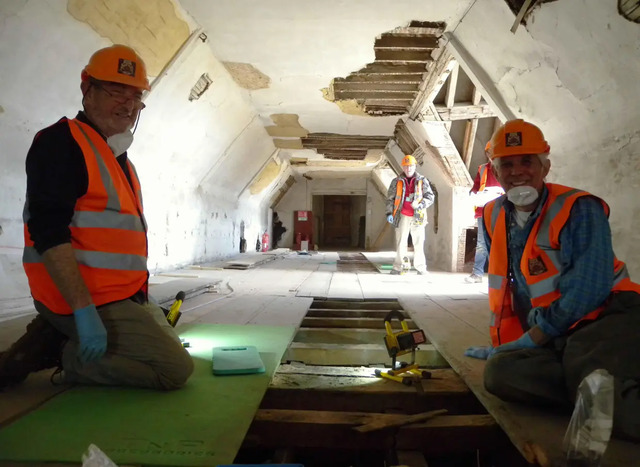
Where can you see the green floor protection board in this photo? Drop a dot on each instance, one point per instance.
(203, 423)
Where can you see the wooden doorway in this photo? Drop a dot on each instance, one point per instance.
(337, 221)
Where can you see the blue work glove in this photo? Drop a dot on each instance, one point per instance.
(523, 342)
(91, 334)
(390, 219)
(481, 352)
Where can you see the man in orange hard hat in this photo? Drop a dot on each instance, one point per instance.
(408, 198)
(485, 188)
(562, 304)
(85, 252)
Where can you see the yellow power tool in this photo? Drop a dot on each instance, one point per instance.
(174, 312)
(401, 343)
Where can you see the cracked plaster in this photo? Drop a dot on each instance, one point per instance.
(151, 27)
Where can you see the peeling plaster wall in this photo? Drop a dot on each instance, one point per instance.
(192, 157)
(573, 71)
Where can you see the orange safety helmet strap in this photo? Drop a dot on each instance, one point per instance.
(117, 64)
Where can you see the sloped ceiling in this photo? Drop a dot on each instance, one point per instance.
(334, 76)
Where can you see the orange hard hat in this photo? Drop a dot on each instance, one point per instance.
(516, 138)
(117, 64)
(408, 160)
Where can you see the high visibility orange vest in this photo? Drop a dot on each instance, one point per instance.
(400, 191)
(108, 231)
(540, 264)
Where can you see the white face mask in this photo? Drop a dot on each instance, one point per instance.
(120, 142)
(522, 195)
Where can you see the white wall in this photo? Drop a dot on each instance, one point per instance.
(574, 72)
(195, 159)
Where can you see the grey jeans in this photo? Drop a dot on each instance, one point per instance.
(143, 350)
(550, 376)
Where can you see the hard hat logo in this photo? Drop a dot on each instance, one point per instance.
(126, 67)
(514, 139)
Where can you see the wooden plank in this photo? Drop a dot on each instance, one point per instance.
(405, 40)
(452, 83)
(359, 354)
(388, 422)
(364, 392)
(382, 77)
(470, 130)
(368, 323)
(523, 10)
(389, 304)
(464, 111)
(375, 86)
(403, 54)
(378, 67)
(318, 429)
(537, 433)
(339, 336)
(479, 77)
(438, 73)
(347, 313)
(375, 94)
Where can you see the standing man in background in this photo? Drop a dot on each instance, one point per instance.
(485, 188)
(85, 252)
(408, 198)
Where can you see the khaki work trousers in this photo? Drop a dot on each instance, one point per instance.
(408, 225)
(550, 376)
(143, 350)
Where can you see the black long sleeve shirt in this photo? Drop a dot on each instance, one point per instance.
(56, 177)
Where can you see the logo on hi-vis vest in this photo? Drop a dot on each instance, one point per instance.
(536, 266)
(126, 67)
(513, 139)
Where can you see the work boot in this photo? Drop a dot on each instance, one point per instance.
(38, 349)
(395, 272)
(473, 279)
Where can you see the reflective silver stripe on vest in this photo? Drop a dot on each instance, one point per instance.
(139, 194)
(544, 287)
(118, 261)
(30, 255)
(95, 259)
(113, 202)
(107, 220)
(497, 208)
(543, 241)
(620, 275)
(552, 211)
(495, 281)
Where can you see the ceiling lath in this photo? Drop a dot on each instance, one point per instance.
(343, 147)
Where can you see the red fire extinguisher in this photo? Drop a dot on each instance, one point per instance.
(265, 241)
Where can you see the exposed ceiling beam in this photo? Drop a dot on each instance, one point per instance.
(479, 77)
(450, 94)
(464, 111)
(438, 73)
(469, 139)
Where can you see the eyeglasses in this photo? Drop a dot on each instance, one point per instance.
(122, 98)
